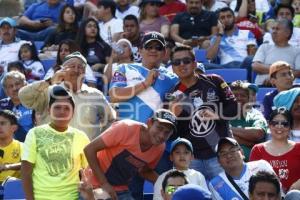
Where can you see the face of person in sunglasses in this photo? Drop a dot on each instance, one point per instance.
(183, 64)
(280, 127)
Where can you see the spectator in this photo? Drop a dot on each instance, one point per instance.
(65, 48)
(283, 11)
(233, 182)
(291, 100)
(191, 191)
(281, 77)
(171, 182)
(250, 127)
(92, 112)
(124, 8)
(10, 149)
(93, 47)
(132, 33)
(170, 8)
(67, 28)
(267, 54)
(213, 5)
(39, 20)
(33, 66)
(140, 89)
(114, 163)
(150, 20)
(53, 152)
(109, 24)
(264, 185)
(232, 54)
(282, 153)
(203, 105)
(181, 154)
(12, 82)
(193, 26)
(9, 43)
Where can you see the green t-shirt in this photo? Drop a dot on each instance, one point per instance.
(57, 158)
(254, 118)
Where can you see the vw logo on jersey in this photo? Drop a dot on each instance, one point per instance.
(201, 128)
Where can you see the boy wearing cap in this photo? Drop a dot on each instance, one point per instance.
(181, 156)
(53, 153)
(233, 183)
(281, 76)
(126, 149)
(250, 126)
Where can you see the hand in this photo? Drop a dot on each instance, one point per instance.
(207, 114)
(3, 167)
(175, 107)
(46, 23)
(295, 185)
(220, 27)
(86, 190)
(110, 190)
(58, 76)
(153, 74)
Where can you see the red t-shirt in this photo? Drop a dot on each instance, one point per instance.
(171, 9)
(245, 24)
(286, 166)
(122, 158)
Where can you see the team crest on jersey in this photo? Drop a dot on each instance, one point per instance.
(118, 77)
(15, 153)
(199, 127)
(211, 95)
(283, 174)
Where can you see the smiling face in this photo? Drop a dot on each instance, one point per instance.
(230, 157)
(183, 64)
(181, 156)
(152, 54)
(159, 132)
(279, 127)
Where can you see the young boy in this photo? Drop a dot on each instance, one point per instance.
(10, 149)
(53, 153)
(181, 156)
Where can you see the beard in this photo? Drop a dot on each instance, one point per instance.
(229, 27)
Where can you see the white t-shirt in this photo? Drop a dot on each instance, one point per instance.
(192, 175)
(132, 10)
(294, 41)
(116, 26)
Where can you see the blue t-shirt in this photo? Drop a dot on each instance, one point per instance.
(42, 10)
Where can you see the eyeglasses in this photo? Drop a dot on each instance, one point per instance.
(230, 152)
(156, 47)
(185, 61)
(285, 124)
(170, 189)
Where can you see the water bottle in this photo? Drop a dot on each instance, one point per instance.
(118, 49)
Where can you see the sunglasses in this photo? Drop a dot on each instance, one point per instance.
(185, 61)
(285, 124)
(170, 189)
(156, 47)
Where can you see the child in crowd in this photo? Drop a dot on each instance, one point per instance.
(33, 66)
(181, 156)
(10, 149)
(53, 153)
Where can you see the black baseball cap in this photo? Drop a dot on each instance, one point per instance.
(153, 36)
(227, 140)
(165, 116)
(57, 92)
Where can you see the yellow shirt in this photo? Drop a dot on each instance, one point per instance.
(57, 158)
(9, 155)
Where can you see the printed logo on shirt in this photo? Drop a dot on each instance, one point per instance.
(15, 153)
(283, 174)
(118, 77)
(199, 127)
(211, 95)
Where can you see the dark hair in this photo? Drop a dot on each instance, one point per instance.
(182, 48)
(31, 47)
(73, 46)
(279, 6)
(225, 9)
(108, 4)
(81, 37)
(288, 24)
(264, 176)
(10, 116)
(282, 111)
(58, 92)
(131, 17)
(16, 64)
(61, 27)
(173, 174)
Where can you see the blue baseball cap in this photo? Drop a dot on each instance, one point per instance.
(9, 21)
(191, 191)
(184, 141)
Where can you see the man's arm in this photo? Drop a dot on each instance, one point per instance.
(13, 166)
(34, 24)
(26, 172)
(149, 174)
(250, 135)
(260, 68)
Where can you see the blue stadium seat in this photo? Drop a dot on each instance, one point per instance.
(38, 45)
(13, 189)
(48, 64)
(148, 191)
(201, 55)
(262, 92)
(229, 75)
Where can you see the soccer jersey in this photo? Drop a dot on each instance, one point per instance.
(142, 106)
(222, 189)
(9, 155)
(123, 158)
(57, 158)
